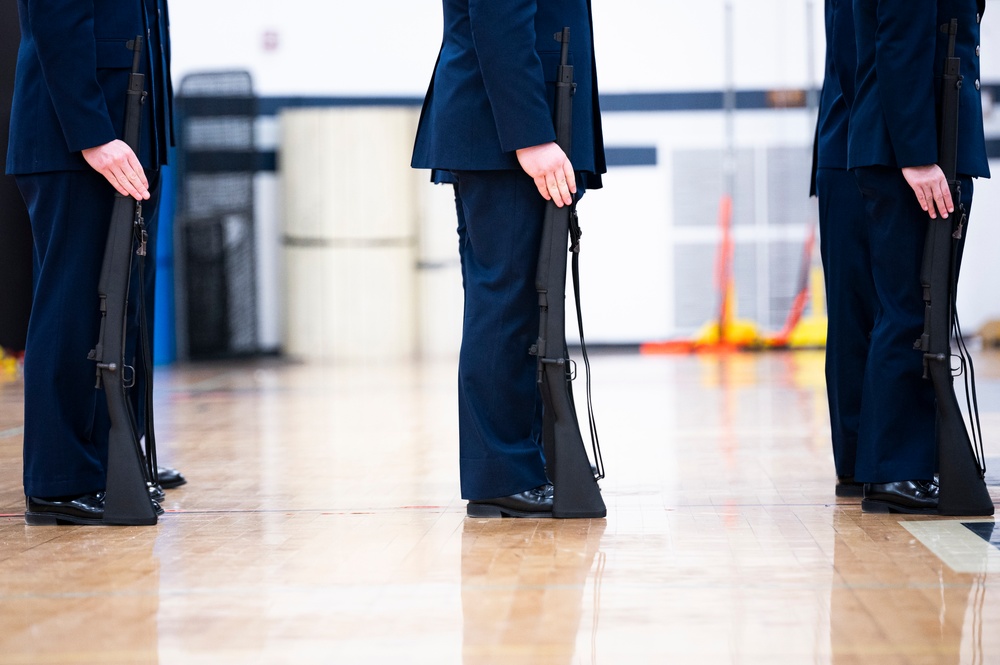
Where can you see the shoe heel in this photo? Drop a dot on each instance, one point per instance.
(37, 519)
(878, 507)
(482, 510)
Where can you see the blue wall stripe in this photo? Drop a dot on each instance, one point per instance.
(631, 156)
(267, 160)
(709, 100)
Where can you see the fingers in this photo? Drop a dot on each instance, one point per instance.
(926, 199)
(566, 183)
(133, 180)
(557, 187)
(551, 171)
(943, 200)
(128, 178)
(935, 199)
(931, 188)
(120, 167)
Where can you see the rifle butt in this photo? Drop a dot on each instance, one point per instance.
(962, 488)
(126, 501)
(577, 494)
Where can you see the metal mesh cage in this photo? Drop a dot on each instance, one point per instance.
(770, 221)
(217, 277)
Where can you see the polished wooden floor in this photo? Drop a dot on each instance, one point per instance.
(322, 523)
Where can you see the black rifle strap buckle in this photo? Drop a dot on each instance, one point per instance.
(960, 225)
(574, 230)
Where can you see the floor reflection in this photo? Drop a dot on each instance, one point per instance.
(524, 588)
(889, 596)
(90, 593)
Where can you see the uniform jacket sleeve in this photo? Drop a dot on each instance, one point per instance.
(904, 59)
(68, 52)
(504, 35)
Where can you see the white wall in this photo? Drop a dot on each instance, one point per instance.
(388, 47)
(376, 47)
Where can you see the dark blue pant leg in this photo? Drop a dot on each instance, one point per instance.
(851, 306)
(69, 214)
(896, 439)
(499, 407)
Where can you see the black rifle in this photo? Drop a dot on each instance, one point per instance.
(577, 493)
(127, 500)
(962, 485)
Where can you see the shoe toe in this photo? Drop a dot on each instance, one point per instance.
(169, 478)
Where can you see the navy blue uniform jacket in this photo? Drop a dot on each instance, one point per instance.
(72, 75)
(901, 49)
(493, 86)
(830, 147)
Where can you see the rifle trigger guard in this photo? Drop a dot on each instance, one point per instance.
(568, 364)
(128, 376)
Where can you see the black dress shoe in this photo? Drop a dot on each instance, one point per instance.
(169, 478)
(917, 497)
(535, 502)
(86, 509)
(847, 486)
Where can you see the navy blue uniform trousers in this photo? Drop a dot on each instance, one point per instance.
(500, 217)
(851, 304)
(66, 422)
(896, 439)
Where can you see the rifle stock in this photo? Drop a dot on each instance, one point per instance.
(577, 494)
(127, 500)
(962, 488)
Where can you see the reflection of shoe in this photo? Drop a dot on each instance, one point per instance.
(847, 486)
(86, 509)
(919, 497)
(156, 492)
(169, 478)
(535, 502)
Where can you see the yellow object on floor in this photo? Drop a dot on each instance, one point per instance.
(9, 366)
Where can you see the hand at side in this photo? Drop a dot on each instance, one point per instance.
(118, 163)
(931, 187)
(551, 170)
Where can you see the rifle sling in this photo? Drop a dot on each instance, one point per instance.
(575, 233)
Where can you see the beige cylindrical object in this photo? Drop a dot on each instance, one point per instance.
(350, 243)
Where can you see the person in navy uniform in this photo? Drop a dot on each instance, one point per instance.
(68, 160)
(893, 151)
(487, 126)
(850, 291)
